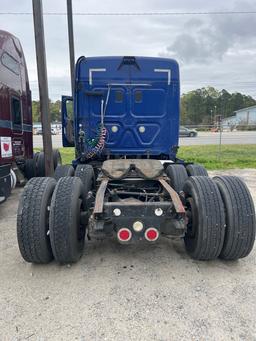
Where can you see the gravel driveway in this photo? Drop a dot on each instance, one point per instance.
(137, 292)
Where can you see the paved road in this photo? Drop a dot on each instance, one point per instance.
(139, 292)
(236, 137)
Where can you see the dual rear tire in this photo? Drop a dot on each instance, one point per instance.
(196, 170)
(178, 174)
(40, 164)
(51, 224)
(33, 220)
(221, 215)
(206, 218)
(67, 233)
(51, 221)
(221, 218)
(63, 170)
(240, 217)
(35, 167)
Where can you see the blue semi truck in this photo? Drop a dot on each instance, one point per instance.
(126, 181)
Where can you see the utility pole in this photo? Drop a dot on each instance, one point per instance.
(43, 85)
(71, 45)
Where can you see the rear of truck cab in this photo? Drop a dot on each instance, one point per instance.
(141, 105)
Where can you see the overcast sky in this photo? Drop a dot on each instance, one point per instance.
(215, 50)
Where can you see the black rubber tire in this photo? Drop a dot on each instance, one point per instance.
(240, 217)
(205, 235)
(177, 175)
(63, 170)
(40, 168)
(36, 156)
(33, 220)
(86, 174)
(66, 232)
(56, 158)
(196, 170)
(30, 168)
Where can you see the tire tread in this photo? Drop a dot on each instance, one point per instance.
(177, 175)
(62, 171)
(196, 170)
(28, 221)
(211, 219)
(61, 220)
(240, 237)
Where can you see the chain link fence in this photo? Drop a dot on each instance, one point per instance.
(219, 135)
(215, 146)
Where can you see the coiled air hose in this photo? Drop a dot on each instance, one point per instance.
(96, 145)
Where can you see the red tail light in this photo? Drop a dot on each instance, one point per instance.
(124, 235)
(151, 234)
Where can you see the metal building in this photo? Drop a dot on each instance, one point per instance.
(245, 116)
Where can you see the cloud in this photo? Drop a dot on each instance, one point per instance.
(212, 39)
(212, 50)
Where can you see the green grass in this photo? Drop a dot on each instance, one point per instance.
(232, 156)
(67, 154)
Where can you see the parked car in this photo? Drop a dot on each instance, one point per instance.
(187, 132)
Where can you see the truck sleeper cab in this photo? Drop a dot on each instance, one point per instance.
(17, 160)
(137, 101)
(15, 111)
(126, 181)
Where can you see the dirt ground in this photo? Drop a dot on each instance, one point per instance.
(116, 292)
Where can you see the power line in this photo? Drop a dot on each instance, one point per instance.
(134, 13)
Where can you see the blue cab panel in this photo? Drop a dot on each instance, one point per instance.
(136, 99)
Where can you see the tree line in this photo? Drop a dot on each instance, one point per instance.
(202, 105)
(55, 110)
(197, 107)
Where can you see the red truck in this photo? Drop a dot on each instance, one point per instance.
(17, 161)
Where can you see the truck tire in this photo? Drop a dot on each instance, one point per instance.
(30, 168)
(86, 174)
(66, 231)
(177, 175)
(40, 168)
(196, 170)
(33, 220)
(56, 158)
(240, 217)
(63, 170)
(206, 218)
(5, 182)
(13, 179)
